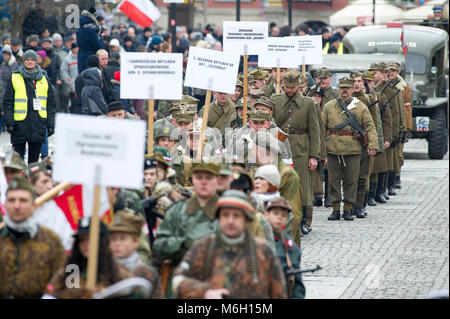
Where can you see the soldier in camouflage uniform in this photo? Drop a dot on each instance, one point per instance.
(30, 254)
(344, 149)
(162, 134)
(234, 264)
(289, 254)
(297, 116)
(366, 161)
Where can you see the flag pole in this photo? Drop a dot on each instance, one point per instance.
(52, 193)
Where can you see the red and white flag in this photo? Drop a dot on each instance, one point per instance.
(143, 12)
(404, 44)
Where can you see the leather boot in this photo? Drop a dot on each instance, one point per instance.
(372, 193)
(398, 184)
(326, 197)
(347, 215)
(303, 227)
(379, 198)
(391, 184)
(335, 215)
(309, 216)
(385, 185)
(359, 212)
(318, 201)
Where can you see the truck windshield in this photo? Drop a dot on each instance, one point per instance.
(416, 62)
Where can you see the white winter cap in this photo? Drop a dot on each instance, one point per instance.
(269, 173)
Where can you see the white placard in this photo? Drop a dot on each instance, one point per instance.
(240, 35)
(212, 70)
(290, 52)
(174, 1)
(140, 71)
(86, 142)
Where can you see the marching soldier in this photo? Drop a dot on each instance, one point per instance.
(221, 111)
(297, 116)
(343, 149)
(259, 78)
(237, 122)
(236, 264)
(271, 87)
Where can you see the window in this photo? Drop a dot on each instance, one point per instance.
(416, 62)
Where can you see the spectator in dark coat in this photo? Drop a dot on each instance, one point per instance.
(129, 45)
(92, 61)
(92, 99)
(34, 23)
(145, 36)
(88, 37)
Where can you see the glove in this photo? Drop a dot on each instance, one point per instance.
(50, 131)
(10, 129)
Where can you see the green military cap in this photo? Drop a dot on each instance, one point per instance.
(355, 74)
(385, 67)
(240, 104)
(304, 82)
(213, 168)
(127, 222)
(36, 168)
(13, 160)
(259, 115)
(376, 67)
(264, 101)
(184, 116)
(19, 182)
(394, 66)
(291, 78)
(259, 74)
(346, 82)
(369, 75)
(322, 73)
(225, 169)
(163, 128)
(256, 94)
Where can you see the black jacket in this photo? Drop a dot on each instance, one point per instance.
(93, 102)
(33, 127)
(55, 65)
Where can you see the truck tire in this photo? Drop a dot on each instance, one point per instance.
(438, 139)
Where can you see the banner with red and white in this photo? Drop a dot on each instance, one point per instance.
(143, 12)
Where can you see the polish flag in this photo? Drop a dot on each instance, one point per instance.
(404, 44)
(142, 12)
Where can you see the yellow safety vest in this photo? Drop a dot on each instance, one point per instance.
(327, 46)
(21, 98)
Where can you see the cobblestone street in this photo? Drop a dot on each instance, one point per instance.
(400, 250)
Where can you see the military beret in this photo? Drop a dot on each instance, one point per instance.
(36, 168)
(376, 67)
(13, 160)
(127, 223)
(291, 78)
(213, 168)
(355, 74)
(280, 202)
(235, 199)
(115, 106)
(259, 115)
(19, 182)
(264, 101)
(369, 75)
(150, 163)
(240, 104)
(322, 73)
(155, 160)
(394, 66)
(259, 74)
(346, 82)
(257, 93)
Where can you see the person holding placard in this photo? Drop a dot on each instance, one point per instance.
(297, 116)
(259, 77)
(271, 87)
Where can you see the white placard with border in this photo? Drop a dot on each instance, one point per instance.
(84, 143)
(291, 52)
(140, 71)
(241, 35)
(212, 70)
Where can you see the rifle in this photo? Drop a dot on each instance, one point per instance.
(383, 106)
(310, 92)
(353, 122)
(298, 271)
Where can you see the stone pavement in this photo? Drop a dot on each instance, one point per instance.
(399, 251)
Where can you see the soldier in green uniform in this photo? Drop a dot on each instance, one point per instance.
(13, 165)
(289, 254)
(238, 92)
(259, 78)
(344, 150)
(380, 161)
(297, 116)
(190, 219)
(255, 95)
(221, 111)
(271, 87)
(163, 134)
(366, 161)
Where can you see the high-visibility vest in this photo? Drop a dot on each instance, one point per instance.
(21, 98)
(327, 46)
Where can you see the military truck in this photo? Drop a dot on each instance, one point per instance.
(426, 66)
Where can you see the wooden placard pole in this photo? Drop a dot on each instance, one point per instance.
(151, 110)
(303, 66)
(94, 234)
(204, 123)
(245, 84)
(278, 77)
(52, 193)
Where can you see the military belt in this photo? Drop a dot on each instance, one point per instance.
(340, 133)
(295, 131)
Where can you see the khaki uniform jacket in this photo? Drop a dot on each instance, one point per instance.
(270, 89)
(328, 96)
(27, 264)
(229, 270)
(219, 116)
(347, 145)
